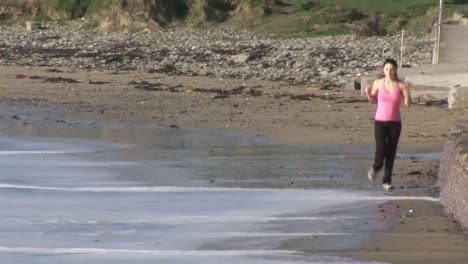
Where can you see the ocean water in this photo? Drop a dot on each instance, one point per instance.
(159, 196)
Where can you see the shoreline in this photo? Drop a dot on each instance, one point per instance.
(297, 113)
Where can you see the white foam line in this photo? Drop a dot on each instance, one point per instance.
(190, 219)
(53, 251)
(204, 219)
(259, 234)
(431, 155)
(396, 198)
(287, 157)
(28, 152)
(156, 189)
(168, 189)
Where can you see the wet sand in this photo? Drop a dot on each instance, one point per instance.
(419, 233)
(291, 112)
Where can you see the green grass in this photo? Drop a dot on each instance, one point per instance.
(382, 5)
(43, 18)
(302, 26)
(283, 17)
(256, 2)
(334, 17)
(80, 8)
(91, 25)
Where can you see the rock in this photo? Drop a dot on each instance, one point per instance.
(32, 25)
(458, 130)
(327, 61)
(365, 82)
(353, 85)
(453, 174)
(153, 26)
(458, 97)
(241, 58)
(202, 73)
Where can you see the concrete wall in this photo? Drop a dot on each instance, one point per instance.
(453, 173)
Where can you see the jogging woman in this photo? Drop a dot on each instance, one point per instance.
(388, 93)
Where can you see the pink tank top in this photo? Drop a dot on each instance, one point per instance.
(388, 104)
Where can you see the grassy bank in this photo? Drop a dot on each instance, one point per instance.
(80, 8)
(283, 17)
(332, 17)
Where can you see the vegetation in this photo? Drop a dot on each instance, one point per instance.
(331, 17)
(43, 18)
(80, 8)
(459, 2)
(283, 17)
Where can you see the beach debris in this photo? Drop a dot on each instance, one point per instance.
(97, 82)
(144, 85)
(59, 80)
(47, 79)
(53, 70)
(325, 63)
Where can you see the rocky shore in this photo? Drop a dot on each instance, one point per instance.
(453, 173)
(327, 62)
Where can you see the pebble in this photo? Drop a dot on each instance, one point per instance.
(223, 52)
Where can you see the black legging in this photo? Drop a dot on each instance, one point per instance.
(387, 135)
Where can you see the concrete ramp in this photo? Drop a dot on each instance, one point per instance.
(453, 44)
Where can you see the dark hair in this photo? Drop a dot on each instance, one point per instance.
(392, 62)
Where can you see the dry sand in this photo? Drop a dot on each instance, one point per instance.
(292, 112)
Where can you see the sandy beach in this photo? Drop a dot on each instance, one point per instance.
(287, 111)
(292, 112)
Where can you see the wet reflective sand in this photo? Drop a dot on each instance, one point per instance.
(140, 195)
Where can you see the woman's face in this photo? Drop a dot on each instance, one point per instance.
(390, 71)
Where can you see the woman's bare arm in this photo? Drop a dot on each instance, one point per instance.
(405, 89)
(372, 91)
